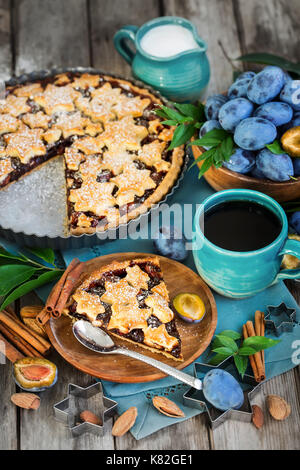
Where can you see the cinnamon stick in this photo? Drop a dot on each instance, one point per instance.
(19, 342)
(9, 350)
(56, 291)
(31, 332)
(44, 316)
(68, 287)
(257, 356)
(260, 331)
(251, 358)
(40, 344)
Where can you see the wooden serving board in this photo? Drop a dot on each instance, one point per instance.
(195, 337)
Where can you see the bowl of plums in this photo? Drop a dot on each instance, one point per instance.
(260, 115)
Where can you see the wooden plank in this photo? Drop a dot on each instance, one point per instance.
(8, 412)
(270, 26)
(187, 435)
(281, 435)
(105, 20)
(5, 44)
(215, 22)
(39, 430)
(49, 33)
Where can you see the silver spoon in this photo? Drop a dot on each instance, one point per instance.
(97, 340)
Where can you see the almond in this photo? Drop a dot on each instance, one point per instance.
(89, 417)
(257, 417)
(29, 401)
(167, 407)
(278, 408)
(125, 422)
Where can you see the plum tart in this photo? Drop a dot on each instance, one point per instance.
(129, 300)
(115, 148)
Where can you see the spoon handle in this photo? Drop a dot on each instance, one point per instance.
(178, 374)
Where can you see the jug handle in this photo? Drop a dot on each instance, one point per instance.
(120, 41)
(291, 247)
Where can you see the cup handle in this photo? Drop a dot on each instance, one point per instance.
(120, 42)
(291, 247)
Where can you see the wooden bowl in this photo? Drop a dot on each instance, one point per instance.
(222, 178)
(195, 337)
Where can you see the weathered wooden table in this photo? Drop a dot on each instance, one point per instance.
(37, 34)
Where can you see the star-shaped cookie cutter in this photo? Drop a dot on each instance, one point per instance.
(68, 410)
(195, 398)
(283, 326)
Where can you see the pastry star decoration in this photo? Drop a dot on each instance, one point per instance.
(130, 106)
(132, 182)
(93, 197)
(126, 313)
(55, 99)
(25, 144)
(116, 160)
(14, 105)
(150, 154)
(71, 124)
(100, 107)
(123, 134)
(5, 168)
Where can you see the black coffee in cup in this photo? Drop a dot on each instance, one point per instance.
(241, 225)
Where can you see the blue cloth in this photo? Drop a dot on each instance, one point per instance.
(232, 314)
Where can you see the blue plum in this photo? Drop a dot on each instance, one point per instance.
(248, 75)
(256, 173)
(296, 120)
(276, 112)
(291, 94)
(254, 133)
(213, 105)
(296, 163)
(275, 167)
(241, 161)
(239, 89)
(266, 85)
(295, 221)
(222, 390)
(209, 126)
(233, 112)
(170, 242)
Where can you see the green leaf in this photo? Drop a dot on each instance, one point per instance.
(6, 254)
(172, 113)
(161, 113)
(227, 147)
(169, 122)
(275, 147)
(211, 138)
(246, 351)
(183, 133)
(227, 342)
(195, 112)
(12, 275)
(223, 350)
(203, 156)
(241, 363)
(271, 59)
(208, 162)
(231, 334)
(217, 359)
(28, 286)
(46, 254)
(258, 343)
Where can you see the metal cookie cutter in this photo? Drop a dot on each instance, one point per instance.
(195, 398)
(80, 399)
(280, 319)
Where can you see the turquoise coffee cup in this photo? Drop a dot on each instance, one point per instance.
(182, 77)
(242, 274)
